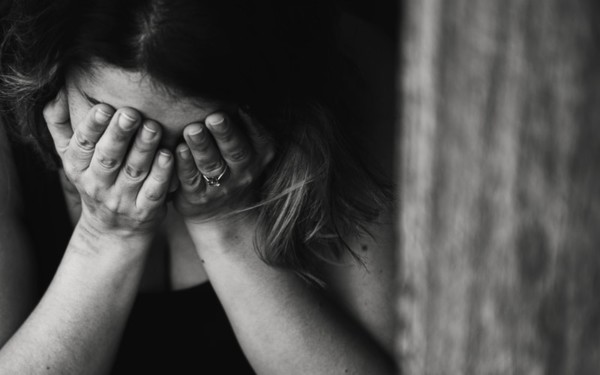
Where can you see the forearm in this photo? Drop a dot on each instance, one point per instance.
(76, 327)
(283, 325)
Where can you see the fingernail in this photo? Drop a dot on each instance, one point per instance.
(196, 134)
(148, 133)
(102, 116)
(163, 158)
(126, 122)
(214, 120)
(184, 153)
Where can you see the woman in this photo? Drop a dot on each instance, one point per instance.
(205, 154)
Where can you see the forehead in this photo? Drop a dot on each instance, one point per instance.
(119, 88)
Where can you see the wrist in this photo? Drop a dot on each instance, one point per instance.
(123, 224)
(234, 233)
(90, 240)
(124, 229)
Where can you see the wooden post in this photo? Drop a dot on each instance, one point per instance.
(500, 187)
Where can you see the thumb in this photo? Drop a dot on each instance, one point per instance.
(56, 114)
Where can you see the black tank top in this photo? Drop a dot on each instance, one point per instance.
(176, 332)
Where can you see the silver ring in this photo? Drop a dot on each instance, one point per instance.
(215, 181)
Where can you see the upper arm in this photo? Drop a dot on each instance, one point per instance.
(16, 264)
(366, 291)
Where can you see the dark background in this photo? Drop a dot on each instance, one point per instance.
(383, 13)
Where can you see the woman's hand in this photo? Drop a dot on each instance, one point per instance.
(218, 166)
(122, 188)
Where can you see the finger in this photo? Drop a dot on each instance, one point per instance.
(56, 115)
(259, 137)
(86, 135)
(139, 160)
(206, 154)
(188, 174)
(113, 145)
(230, 140)
(154, 189)
(78, 155)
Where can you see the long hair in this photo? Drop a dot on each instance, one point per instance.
(278, 58)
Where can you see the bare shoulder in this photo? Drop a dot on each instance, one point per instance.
(366, 288)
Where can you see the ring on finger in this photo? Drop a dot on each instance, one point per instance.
(216, 181)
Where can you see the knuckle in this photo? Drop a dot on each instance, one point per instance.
(72, 166)
(239, 155)
(83, 143)
(212, 166)
(261, 139)
(193, 181)
(107, 163)
(246, 179)
(133, 172)
(153, 195)
(225, 191)
(198, 199)
(112, 204)
(143, 215)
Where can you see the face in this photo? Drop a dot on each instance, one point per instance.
(119, 88)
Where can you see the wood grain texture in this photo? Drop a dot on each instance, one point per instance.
(500, 187)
